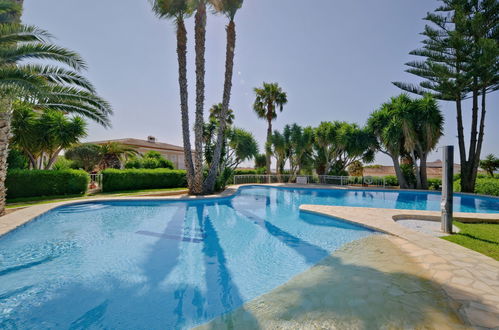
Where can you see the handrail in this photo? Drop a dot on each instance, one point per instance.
(311, 179)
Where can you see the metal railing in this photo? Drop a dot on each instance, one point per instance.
(95, 181)
(366, 181)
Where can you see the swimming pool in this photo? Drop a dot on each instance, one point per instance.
(174, 264)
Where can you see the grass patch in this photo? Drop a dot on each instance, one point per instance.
(480, 237)
(29, 201)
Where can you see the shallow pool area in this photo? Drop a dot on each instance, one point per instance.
(161, 264)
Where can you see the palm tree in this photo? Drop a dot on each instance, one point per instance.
(269, 98)
(44, 86)
(279, 146)
(216, 113)
(390, 137)
(210, 129)
(200, 48)
(178, 10)
(114, 154)
(490, 164)
(301, 142)
(430, 122)
(44, 134)
(229, 8)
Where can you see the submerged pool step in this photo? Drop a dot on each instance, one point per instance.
(82, 208)
(173, 237)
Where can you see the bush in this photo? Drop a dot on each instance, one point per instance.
(17, 160)
(391, 181)
(435, 184)
(487, 187)
(63, 164)
(482, 186)
(137, 179)
(38, 183)
(246, 172)
(150, 160)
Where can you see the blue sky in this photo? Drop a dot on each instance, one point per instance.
(335, 59)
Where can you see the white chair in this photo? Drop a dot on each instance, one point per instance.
(301, 179)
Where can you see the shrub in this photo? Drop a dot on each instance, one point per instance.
(150, 160)
(17, 160)
(86, 156)
(391, 181)
(435, 184)
(63, 164)
(487, 186)
(137, 179)
(246, 172)
(37, 183)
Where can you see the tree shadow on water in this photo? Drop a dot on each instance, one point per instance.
(157, 296)
(367, 286)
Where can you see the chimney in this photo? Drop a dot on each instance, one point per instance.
(151, 139)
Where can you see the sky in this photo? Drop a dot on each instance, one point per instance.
(335, 59)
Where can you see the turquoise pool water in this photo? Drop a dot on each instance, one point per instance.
(174, 265)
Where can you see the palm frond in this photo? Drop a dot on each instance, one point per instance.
(60, 76)
(42, 51)
(15, 33)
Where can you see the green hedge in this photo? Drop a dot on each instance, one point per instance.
(137, 179)
(482, 186)
(37, 183)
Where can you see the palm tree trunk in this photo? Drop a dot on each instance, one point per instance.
(422, 170)
(209, 185)
(416, 169)
(200, 41)
(184, 106)
(5, 121)
(268, 155)
(52, 159)
(398, 172)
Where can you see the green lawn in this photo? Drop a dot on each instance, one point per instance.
(481, 237)
(29, 201)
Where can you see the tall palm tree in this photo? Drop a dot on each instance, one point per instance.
(178, 10)
(229, 8)
(200, 48)
(269, 98)
(44, 86)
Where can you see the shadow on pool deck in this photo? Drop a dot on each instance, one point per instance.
(369, 284)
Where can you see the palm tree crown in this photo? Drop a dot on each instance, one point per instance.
(268, 99)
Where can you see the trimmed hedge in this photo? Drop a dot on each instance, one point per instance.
(487, 187)
(38, 183)
(137, 179)
(482, 186)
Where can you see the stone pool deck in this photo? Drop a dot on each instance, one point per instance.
(470, 279)
(403, 279)
(367, 284)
